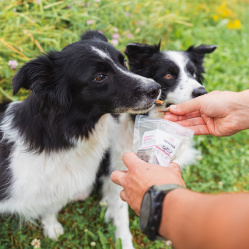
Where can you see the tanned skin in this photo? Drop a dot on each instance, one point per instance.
(194, 220)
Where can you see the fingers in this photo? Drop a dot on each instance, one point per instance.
(197, 124)
(174, 118)
(199, 129)
(192, 122)
(123, 195)
(130, 159)
(118, 177)
(171, 117)
(176, 170)
(186, 107)
(176, 167)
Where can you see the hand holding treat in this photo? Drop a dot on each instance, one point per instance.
(189, 219)
(216, 113)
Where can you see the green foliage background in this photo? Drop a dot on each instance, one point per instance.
(28, 28)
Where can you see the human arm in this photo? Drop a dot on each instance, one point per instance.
(216, 113)
(193, 220)
(190, 220)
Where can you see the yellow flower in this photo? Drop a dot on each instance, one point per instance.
(202, 7)
(216, 17)
(223, 11)
(236, 24)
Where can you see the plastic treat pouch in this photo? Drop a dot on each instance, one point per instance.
(160, 141)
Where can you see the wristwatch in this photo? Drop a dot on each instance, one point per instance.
(151, 209)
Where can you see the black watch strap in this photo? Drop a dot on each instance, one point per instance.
(157, 194)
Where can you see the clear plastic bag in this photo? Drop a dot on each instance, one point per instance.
(160, 141)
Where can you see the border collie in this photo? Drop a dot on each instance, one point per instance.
(53, 142)
(180, 74)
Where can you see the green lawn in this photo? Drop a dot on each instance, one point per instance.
(28, 28)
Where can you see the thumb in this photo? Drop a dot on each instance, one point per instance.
(175, 166)
(186, 107)
(130, 160)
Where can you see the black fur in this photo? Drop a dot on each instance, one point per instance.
(104, 168)
(5, 150)
(3, 106)
(139, 56)
(149, 61)
(93, 34)
(67, 100)
(197, 54)
(5, 172)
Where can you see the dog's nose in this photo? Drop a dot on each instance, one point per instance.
(154, 91)
(199, 91)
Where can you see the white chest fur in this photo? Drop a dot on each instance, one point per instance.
(43, 183)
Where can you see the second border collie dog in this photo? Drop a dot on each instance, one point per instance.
(180, 74)
(52, 143)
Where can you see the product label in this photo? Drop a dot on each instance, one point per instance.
(164, 145)
(149, 139)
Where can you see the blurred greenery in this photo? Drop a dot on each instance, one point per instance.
(29, 28)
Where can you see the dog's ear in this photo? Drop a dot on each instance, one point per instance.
(93, 35)
(201, 50)
(40, 76)
(139, 54)
(197, 55)
(35, 72)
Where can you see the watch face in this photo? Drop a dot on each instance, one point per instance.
(145, 211)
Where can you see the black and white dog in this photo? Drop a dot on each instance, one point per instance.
(180, 74)
(52, 143)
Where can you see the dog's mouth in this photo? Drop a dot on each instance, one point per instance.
(135, 110)
(168, 104)
(141, 110)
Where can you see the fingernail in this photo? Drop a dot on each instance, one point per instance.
(172, 107)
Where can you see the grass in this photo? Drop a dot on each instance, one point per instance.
(29, 28)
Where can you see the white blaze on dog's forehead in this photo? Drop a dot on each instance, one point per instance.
(101, 53)
(178, 58)
(104, 55)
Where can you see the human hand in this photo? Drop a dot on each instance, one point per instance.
(216, 113)
(141, 176)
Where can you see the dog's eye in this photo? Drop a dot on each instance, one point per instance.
(100, 78)
(168, 76)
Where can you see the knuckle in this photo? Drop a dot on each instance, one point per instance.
(123, 157)
(235, 124)
(175, 166)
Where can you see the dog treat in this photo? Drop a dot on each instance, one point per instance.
(163, 110)
(159, 102)
(160, 141)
